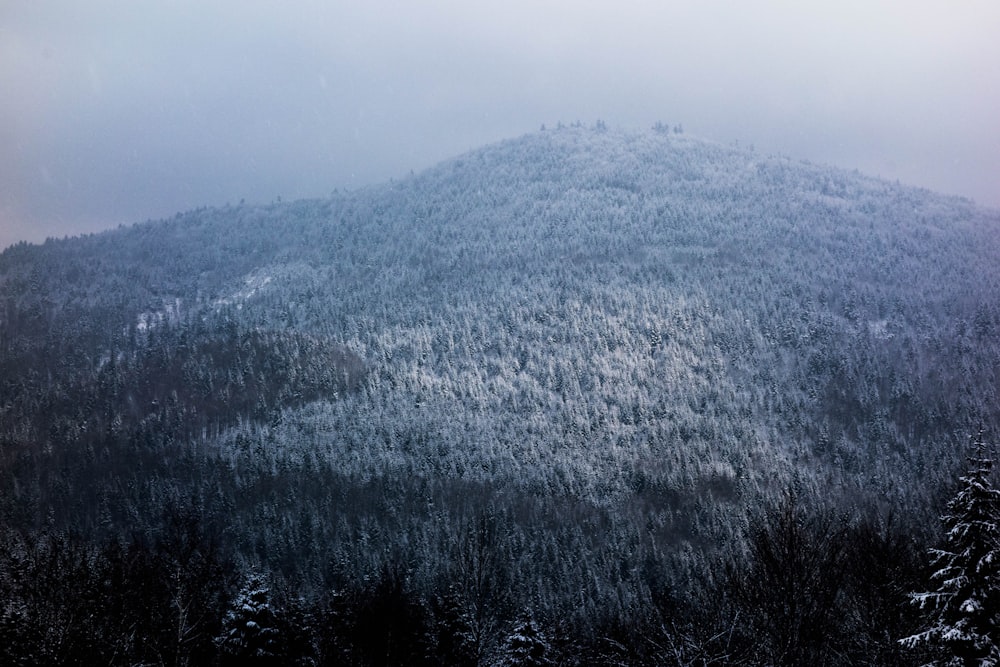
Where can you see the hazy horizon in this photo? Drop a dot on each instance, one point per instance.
(119, 112)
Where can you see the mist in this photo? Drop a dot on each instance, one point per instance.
(116, 112)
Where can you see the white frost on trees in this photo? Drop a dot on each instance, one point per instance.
(964, 612)
(527, 645)
(250, 629)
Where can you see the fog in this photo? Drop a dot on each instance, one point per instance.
(115, 112)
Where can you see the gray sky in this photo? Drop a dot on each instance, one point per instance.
(118, 111)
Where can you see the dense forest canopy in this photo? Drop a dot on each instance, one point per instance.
(585, 361)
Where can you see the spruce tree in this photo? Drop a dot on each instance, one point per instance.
(963, 613)
(527, 645)
(251, 631)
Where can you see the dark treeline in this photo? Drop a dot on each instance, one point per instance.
(808, 586)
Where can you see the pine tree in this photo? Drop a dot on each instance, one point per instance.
(251, 632)
(527, 645)
(964, 612)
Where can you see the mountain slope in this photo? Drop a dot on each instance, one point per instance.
(643, 322)
(665, 399)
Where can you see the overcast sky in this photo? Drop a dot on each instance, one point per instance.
(117, 111)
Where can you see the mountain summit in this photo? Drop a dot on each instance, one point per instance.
(641, 330)
(576, 311)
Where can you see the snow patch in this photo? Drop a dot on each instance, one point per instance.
(879, 329)
(251, 285)
(150, 319)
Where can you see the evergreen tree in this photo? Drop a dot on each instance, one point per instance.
(251, 633)
(964, 612)
(527, 645)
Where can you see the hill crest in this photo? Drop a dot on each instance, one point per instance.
(589, 306)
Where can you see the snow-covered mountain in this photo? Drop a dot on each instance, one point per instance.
(641, 330)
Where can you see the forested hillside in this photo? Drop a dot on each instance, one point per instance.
(569, 386)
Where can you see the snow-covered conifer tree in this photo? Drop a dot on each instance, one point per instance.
(250, 630)
(527, 645)
(964, 612)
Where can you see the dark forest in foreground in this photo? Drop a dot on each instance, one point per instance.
(633, 393)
